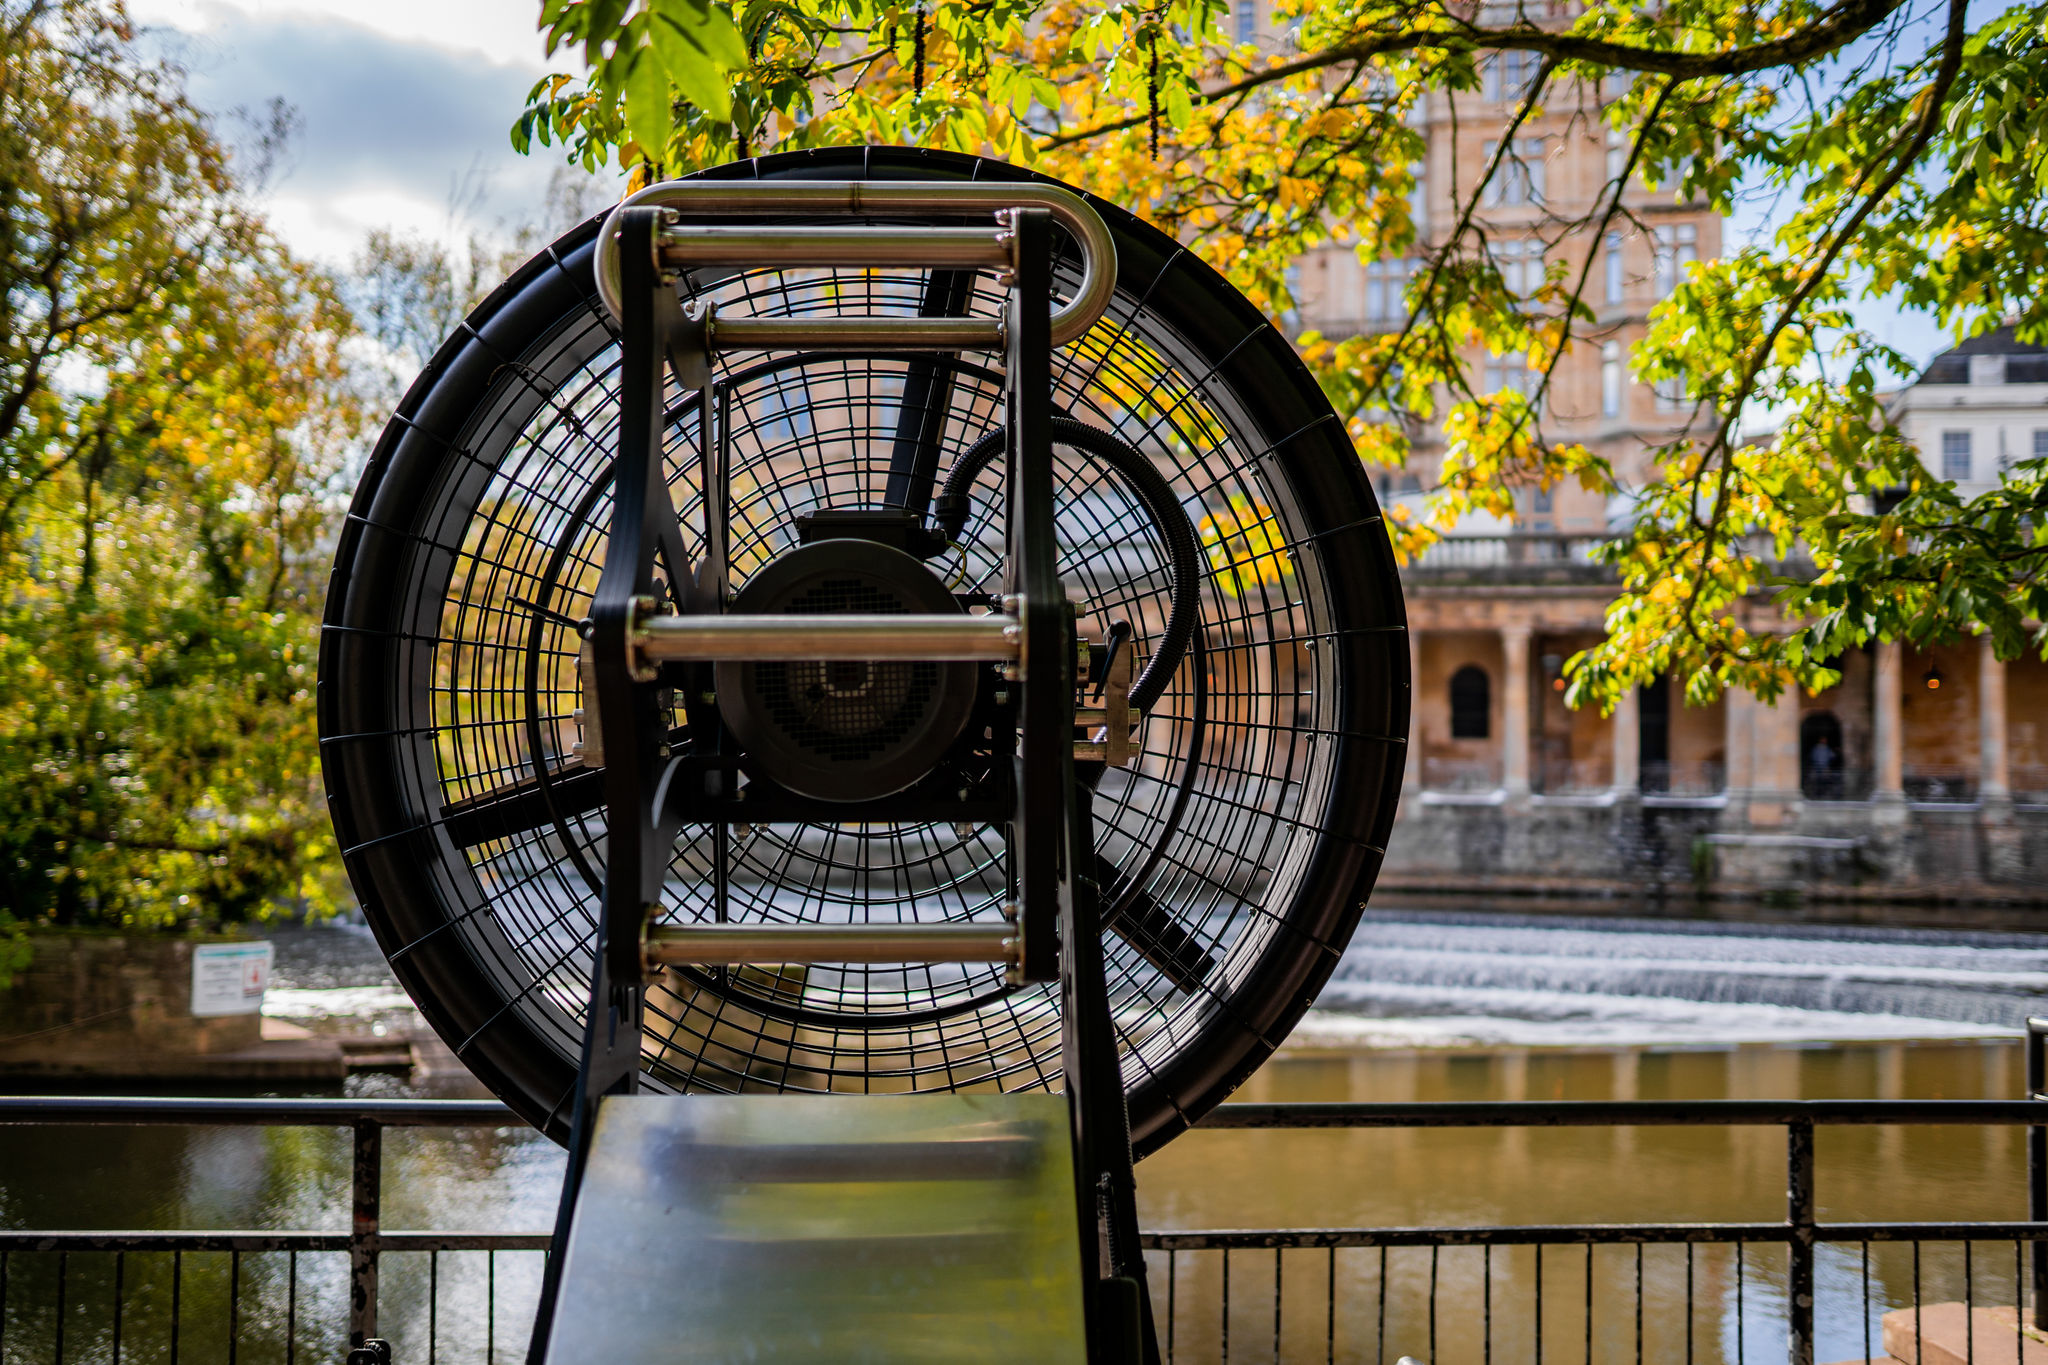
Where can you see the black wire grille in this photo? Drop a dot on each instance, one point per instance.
(1214, 822)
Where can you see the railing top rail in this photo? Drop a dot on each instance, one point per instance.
(1621, 1113)
(309, 1113)
(193, 1111)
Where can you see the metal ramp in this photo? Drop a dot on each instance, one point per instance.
(899, 1229)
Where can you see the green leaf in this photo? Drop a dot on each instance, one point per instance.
(647, 104)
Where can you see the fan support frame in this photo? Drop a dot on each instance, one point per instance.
(650, 793)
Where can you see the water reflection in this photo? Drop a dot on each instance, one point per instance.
(507, 1180)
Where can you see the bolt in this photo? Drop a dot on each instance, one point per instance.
(963, 830)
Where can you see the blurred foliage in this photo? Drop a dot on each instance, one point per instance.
(1905, 146)
(173, 413)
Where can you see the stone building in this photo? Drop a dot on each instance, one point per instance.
(1920, 775)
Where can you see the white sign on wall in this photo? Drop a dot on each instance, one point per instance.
(229, 978)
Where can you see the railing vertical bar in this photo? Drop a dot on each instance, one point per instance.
(2037, 1162)
(234, 1303)
(433, 1308)
(1226, 1306)
(491, 1308)
(1866, 1302)
(2019, 1317)
(1589, 1303)
(177, 1299)
(291, 1309)
(1172, 1258)
(1639, 1303)
(1539, 1303)
(3, 1304)
(1969, 1305)
(63, 1270)
(1919, 1336)
(120, 1278)
(1172, 1286)
(367, 1191)
(1276, 1306)
(1741, 1324)
(1433, 1253)
(1799, 1217)
(1689, 1310)
(1379, 1346)
(1330, 1307)
(1486, 1304)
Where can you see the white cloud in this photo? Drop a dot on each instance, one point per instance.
(503, 31)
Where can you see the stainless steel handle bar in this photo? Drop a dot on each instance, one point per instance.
(711, 638)
(857, 198)
(710, 945)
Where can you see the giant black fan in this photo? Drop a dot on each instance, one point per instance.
(1209, 503)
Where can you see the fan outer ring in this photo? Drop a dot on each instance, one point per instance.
(368, 633)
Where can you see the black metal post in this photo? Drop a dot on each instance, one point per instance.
(366, 1208)
(1799, 1215)
(927, 395)
(2037, 1163)
(637, 837)
(1045, 748)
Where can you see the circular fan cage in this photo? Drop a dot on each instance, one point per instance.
(1236, 849)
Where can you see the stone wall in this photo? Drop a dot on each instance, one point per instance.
(1704, 851)
(101, 1003)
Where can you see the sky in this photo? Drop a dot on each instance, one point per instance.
(405, 107)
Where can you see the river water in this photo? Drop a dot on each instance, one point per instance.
(1428, 1006)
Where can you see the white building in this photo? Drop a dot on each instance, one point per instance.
(1978, 410)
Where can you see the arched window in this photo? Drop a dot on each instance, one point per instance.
(1471, 703)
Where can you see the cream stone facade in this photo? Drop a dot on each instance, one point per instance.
(1920, 775)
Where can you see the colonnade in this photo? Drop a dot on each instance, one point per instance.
(1762, 740)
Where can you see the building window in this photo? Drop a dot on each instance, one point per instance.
(1541, 501)
(2041, 444)
(1247, 21)
(1678, 246)
(1510, 75)
(1510, 373)
(1520, 177)
(1955, 455)
(1610, 379)
(1614, 280)
(1671, 394)
(1617, 155)
(1386, 290)
(1471, 703)
(1418, 199)
(1520, 264)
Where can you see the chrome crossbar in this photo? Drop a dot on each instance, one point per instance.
(712, 945)
(689, 243)
(996, 639)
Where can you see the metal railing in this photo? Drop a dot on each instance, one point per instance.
(365, 1242)
(1204, 1277)
(1554, 556)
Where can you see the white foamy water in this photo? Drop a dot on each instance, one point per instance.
(1428, 978)
(292, 1002)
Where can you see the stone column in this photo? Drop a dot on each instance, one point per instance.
(1888, 724)
(1628, 740)
(1411, 775)
(1994, 780)
(1738, 722)
(1774, 731)
(2004, 860)
(1514, 706)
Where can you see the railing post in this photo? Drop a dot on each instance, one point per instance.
(1799, 1214)
(2037, 1163)
(367, 1201)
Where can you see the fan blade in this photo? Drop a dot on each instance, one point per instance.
(520, 806)
(1150, 928)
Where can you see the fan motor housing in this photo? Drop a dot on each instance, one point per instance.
(839, 729)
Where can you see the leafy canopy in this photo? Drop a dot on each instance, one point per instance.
(1902, 144)
(170, 418)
